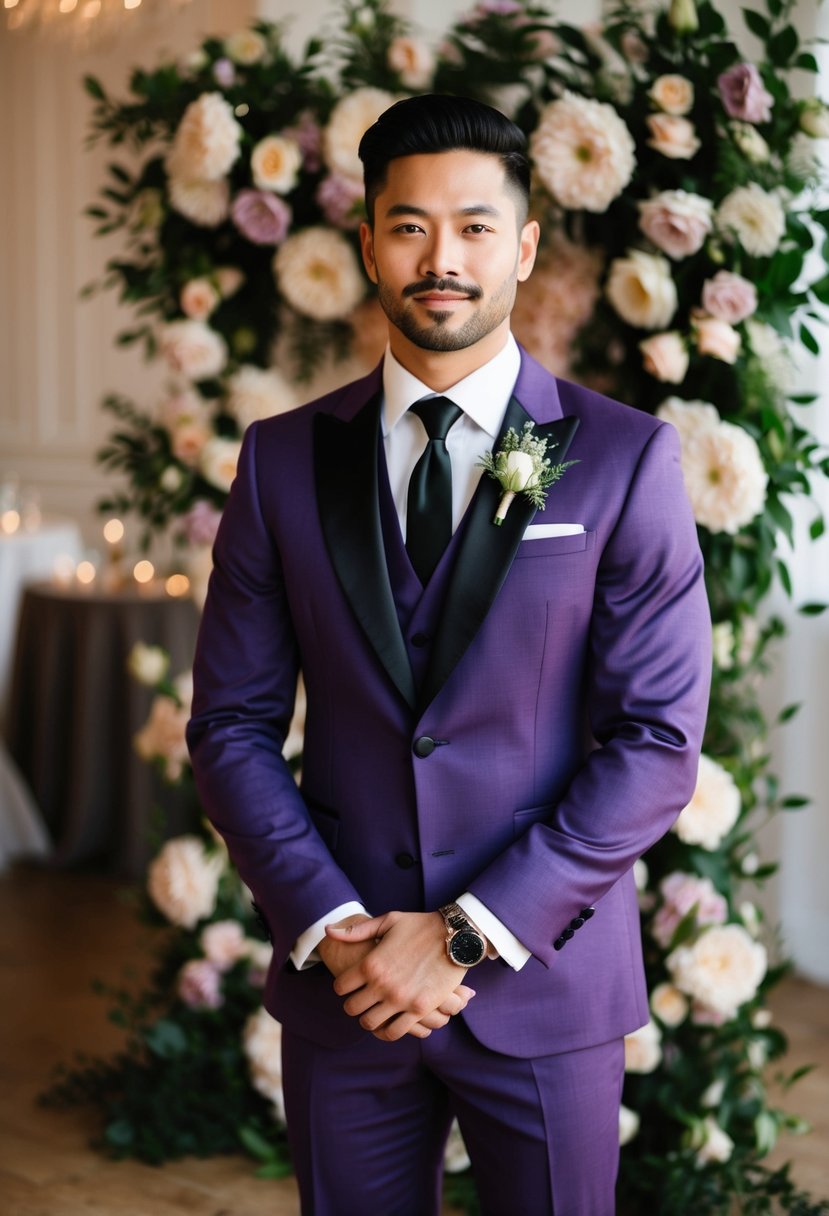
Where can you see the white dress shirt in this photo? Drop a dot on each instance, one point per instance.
(483, 396)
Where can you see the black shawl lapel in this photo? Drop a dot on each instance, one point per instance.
(485, 555)
(345, 463)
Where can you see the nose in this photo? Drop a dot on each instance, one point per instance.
(439, 258)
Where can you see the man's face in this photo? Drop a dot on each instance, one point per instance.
(447, 250)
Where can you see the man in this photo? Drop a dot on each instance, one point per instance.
(500, 720)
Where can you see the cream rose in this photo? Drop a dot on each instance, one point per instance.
(162, 737)
(198, 299)
(641, 289)
(723, 642)
(262, 1042)
(717, 339)
(629, 1123)
(318, 274)
(721, 970)
(814, 118)
(206, 143)
(455, 1157)
(204, 203)
(245, 47)
(218, 460)
(183, 879)
(673, 136)
(750, 142)
(713, 809)
(754, 217)
(275, 163)
(672, 94)
(583, 152)
(223, 943)
(412, 60)
(187, 441)
(688, 416)
(254, 393)
(643, 1050)
(665, 356)
(148, 664)
(193, 349)
(350, 119)
(669, 1005)
(712, 1143)
(676, 222)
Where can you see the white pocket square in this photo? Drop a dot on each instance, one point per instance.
(536, 531)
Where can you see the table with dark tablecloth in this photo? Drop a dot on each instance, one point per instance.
(73, 713)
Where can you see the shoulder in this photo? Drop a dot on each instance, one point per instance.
(599, 414)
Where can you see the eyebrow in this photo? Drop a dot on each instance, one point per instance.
(410, 209)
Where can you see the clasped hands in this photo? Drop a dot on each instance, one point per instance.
(394, 972)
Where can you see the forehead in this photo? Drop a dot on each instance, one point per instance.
(458, 179)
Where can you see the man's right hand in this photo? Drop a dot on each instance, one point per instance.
(339, 956)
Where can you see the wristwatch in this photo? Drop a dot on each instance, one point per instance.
(465, 945)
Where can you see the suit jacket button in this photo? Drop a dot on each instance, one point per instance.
(558, 943)
(419, 639)
(567, 934)
(424, 746)
(586, 913)
(577, 922)
(405, 861)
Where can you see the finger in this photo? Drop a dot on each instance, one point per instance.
(381, 1014)
(434, 1020)
(418, 1031)
(399, 1026)
(360, 931)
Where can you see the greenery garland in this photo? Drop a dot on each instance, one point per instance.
(678, 187)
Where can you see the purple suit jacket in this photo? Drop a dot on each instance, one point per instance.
(564, 681)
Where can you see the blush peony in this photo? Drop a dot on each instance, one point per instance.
(713, 809)
(203, 203)
(161, 738)
(412, 60)
(198, 299)
(183, 879)
(680, 893)
(254, 393)
(224, 943)
(350, 119)
(262, 1041)
(261, 217)
(744, 96)
(641, 289)
(673, 136)
(206, 143)
(665, 356)
(193, 349)
(721, 970)
(218, 460)
(669, 1005)
(583, 152)
(200, 985)
(729, 297)
(275, 163)
(672, 94)
(318, 274)
(755, 218)
(643, 1050)
(676, 222)
(717, 339)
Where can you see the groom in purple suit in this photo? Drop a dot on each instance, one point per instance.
(500, 720)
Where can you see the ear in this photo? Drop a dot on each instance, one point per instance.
(367, 247)
(527, 249)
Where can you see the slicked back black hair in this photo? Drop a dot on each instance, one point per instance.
(442, 123)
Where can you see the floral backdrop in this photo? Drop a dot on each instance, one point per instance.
(683, 271)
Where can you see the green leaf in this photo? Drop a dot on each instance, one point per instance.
(275, 1169)
(817, 527)
(795, 802)
(256, 1144)
(120, 1133)
(783, 45)
(812, 609)
(809, 340)
(789, 712)
(166, 1039)
(806, 62)
(785, 577)
(93, 88)
(757, 23)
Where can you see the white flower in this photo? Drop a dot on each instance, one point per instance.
(245, 47)
(204, 203)
(516, 471)
(583, 152)
(183, 879)
(259, 953)
(318, 274)
(262, 1040)
(717, 338)
(750, 142)
(814, 118)
(712, 1143)
(761, 1019)
(147, 664)
(669, 1005)
(275, 163)
(722, 637)
(643, 1049)
(628, 1125)
(455, 1156)
(171, 479)
(218, 460)
(721, 464)
(640, 874)
(712, 1096)
(713, 809)
(413, 60)
(757, 1053)
(721, 970)
(665, 356)
(255, 393)
(750, 864)
(676, 222)
(750, 917)
(773, 353)
(350, 119)
(206, 142)
(672, 94)
(198, 299)
(193, 349)
(641, 289)
(223, 943)
(754, 217)
(162, 737)
(803, 158)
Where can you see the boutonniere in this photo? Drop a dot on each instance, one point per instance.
(521, 466)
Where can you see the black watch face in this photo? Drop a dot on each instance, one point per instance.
(467, 948)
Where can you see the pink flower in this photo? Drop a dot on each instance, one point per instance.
(729, 297)
(717, 339)
(223, 943)
(308, 134)
(665, 356)
(261, 216)
(680, 892)
(340, 200)
(201, 523)
(224, 73)
(677, 222)
(744, 95)
(673, 136)
(199, 985)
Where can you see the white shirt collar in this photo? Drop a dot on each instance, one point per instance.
(482, 395)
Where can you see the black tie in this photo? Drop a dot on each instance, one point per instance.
(429, 508)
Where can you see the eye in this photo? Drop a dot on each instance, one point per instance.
(477, 229)
(408, 229)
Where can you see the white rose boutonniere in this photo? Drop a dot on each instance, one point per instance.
(521, 466)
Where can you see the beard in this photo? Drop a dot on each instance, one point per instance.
(436, 333)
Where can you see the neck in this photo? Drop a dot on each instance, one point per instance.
(440, 369)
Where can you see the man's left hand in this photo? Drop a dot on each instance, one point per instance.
(405, 978)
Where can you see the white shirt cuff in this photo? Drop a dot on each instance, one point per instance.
(505, 942)
(304, 953)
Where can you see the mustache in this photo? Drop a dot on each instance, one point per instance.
(428, 285)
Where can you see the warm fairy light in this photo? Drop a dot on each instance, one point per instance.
(85, 573)
(177, 585)
(63, 570)
(113, 531)
(131, 3)
(68, 6)
(9, 521)
(91, 9)
(143, 571)
(10, 3)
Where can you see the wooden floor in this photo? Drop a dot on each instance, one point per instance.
(58, 931)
